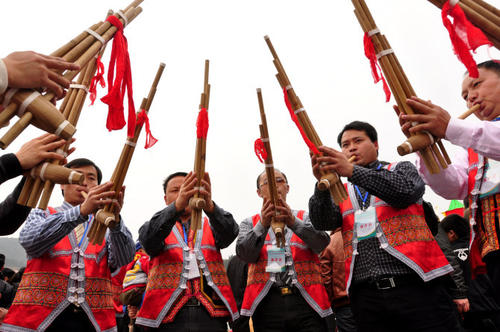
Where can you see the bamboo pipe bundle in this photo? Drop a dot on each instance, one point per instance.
(196, 202)
(107, 216)
(483, 15)
(329, 181)
(414, 143)
(434, 155)
(35, 108)
(277, 226)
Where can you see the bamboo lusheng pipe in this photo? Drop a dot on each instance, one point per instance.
(421, 140)
(483, 15)
(278, 227)
(107, 217)
(398, 82)
(329, 182)
(80, 54)
(199, 159)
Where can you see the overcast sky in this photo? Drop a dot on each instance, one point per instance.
(320, 45)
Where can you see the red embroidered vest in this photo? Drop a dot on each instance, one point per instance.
(307, 275)
(484, 225)
(168, 288)
(62, 275)
(403, 233)
(116, 289)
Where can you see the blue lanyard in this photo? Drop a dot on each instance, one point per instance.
(85, 231)
(497, 119)
(366, 193)
(185, 233)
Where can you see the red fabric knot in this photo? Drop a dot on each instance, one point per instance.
(142, 118)
(464, 36)
(306, 139)
(376, 70)
(123, 81)
(260, 150)
(98, 78)
(202, 124)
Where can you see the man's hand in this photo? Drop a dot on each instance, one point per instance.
(186, 191)
(35, 151)
(267, 213)
(3, 313)
(462, 305)
(97, 198)
(431, 118)
(333, 160)
(315, 166)
(33, 70)
(284, 214)
(132, 311)
(206, 193)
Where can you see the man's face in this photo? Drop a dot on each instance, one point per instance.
(282, 186)
(357, 143)
(172, 189)
(485, 91)
(72, 192)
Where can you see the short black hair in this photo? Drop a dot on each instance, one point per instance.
(361, 126)
(170, 177)
(456, 223)
(258, 177)
(82, 162)
(492, 65)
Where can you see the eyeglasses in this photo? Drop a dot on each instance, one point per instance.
(278, 180)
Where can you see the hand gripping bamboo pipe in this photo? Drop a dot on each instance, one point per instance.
(35, 108)
(329, 181)
(277, 226)
(483, 15)
(108, 217)
(197, 203)
(434, 155)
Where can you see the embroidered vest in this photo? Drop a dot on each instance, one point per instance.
(403, 233)
(168, 287)
(306, 274)
(116, 289)
(483, 224)
(63, 275)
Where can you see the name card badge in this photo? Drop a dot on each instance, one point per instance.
(365, 223)
(491, 182)
(193, 272)
(275, 259)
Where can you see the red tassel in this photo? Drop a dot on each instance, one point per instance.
(123, 81)
(310, 144)
(260, 150)
(142, 118)
(376, 70)
(464, 36)
(202, 124)
(98, 78)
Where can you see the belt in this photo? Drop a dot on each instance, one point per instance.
(389, 282)
(285, 290)
(192, 302)
(76, 309)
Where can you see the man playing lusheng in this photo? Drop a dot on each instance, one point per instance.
(67, 282)
(474, 174)
(293, 299)
(393, 263)
(187, 288)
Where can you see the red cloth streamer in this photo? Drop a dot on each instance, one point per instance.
(98, 78)
(464, 36)
(260, 150)
(310, 144)
(202, 124)
(142, 118)
(116, 89)
(376, 70)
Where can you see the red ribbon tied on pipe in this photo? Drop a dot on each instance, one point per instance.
(260, 150)
(123, 81)
(310, 144)
(142, 118)
(376, 70)
(465, 37)
(98, 78)
(202, 124)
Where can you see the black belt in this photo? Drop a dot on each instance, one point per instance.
(285, 290)
(76, 309)
(389, 282)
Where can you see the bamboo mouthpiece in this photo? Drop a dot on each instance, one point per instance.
(415, 143)
(197, 203)
(470, 111)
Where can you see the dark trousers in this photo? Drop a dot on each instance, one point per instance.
(492, 261)
(71, 319)
(193, 319)
(416, 306)
(345, 319)
(280, 313)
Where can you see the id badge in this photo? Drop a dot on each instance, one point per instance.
(365, 223)
(193, 271)
(275, 259)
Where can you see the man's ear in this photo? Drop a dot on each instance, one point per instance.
(259, 193)
(376, 146)
(165, 199)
